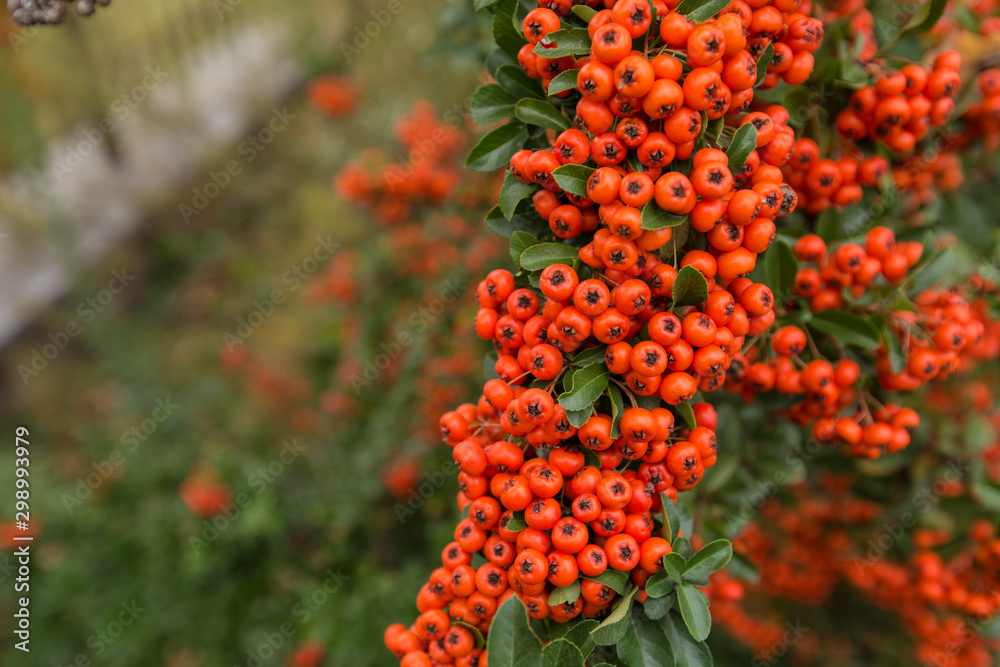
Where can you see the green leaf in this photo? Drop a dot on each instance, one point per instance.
(927, 16)
(894, 349)
(571, 42)
(569, 593)
(505, 34)
(576, 631)
(519, 242)
(539, 256)
(699, 11)
(687, 414)
(934, 271)
(593, 355)
(578, 418)
(588, 383)
(480, 641)
(781, 266)
(566, 80)
(490, 103)
(498, 222)
(853, 75)
(714, 131)
(516, 523)
(496, 59)
(674, 565)
(517, 83)
(987, 495)
(612, 628)
(613, 579)
(489, 367)
(700, 139)
(644, 643)
(511, 643)
(990, 627)
(541, 113)
(847, 328)
(979, 434)
(744, 141)
(766, 56)
(512, 192)
(617, 409)
(659, 585)
(480, 4)
(828, 225)
(681, 545)
(671, 519)
(561, 653)
(687, 651)
(690, 287)
(659, 606)
(573, 178)
(799, 102)
(708, 560)
(743, 568)
(694, 610)
(584, 12)
(496, 148)
(722, 473)
(654, 217)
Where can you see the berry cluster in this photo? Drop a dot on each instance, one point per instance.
(717, 59)
(546, 522)
(427, 176)
(685, 351)
(821, 182)
(333, 95)
(203, 493)
(903, 104)
(31, 12)
(982, 118)
(851, 266)
(644, 181)
(933, 338)
(809, 549)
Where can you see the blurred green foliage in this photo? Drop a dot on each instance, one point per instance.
(325, 521)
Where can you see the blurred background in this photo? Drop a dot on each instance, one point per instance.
(235, 250)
